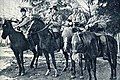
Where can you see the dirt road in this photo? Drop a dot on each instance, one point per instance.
(9, 69)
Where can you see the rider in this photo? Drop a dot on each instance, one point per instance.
(24, 22)
(25, 25)
(56, 21)
(78, 18)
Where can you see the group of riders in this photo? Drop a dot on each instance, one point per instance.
(59, 27)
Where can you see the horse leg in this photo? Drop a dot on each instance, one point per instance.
(73, 72)
(39, 53)
(66, 58)
(58, 41)
(89, 69)
(85, 64)
(22, 63)
(48, 63)
(110, 62)
(36, 63)
(18, 61)
(54, 63)
(35, 55)
(81, 66)
(94, 68)
(115, 62)
(114, 68)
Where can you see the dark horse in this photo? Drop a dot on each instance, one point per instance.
(19, 43)
(86, 44)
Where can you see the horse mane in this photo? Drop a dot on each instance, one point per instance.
(8, 22)
(38, 19)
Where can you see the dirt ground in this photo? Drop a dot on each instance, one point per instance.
(9, 69)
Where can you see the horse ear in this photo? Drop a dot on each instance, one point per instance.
(3, 21)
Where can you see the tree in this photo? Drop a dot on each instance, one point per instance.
(104, 12)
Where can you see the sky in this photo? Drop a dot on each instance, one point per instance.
(10, 8)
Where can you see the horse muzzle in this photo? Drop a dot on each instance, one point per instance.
(4, 36)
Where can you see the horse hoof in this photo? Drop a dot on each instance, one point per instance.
(47, 73)
(71, 69)
(35, 67)
(22, 74)
(81, 77)
(73, 76)
(113, 78)
(56, 73)
(31, 66)
(64, 69)
(19, 74)
(84, 68)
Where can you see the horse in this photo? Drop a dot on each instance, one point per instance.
(67, 34)
(86, 44)
(67, 47)
(19, 44)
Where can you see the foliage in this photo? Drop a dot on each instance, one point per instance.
(106, 13)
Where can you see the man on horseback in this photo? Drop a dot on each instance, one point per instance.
(24, 26)
(78, 19)
(56, 21)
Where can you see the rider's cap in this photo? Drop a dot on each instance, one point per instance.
(22, 10)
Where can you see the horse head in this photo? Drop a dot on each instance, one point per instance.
(6, 28)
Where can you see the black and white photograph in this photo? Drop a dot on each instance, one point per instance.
(59, 39)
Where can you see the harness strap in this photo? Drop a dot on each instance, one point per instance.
(78, 36)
